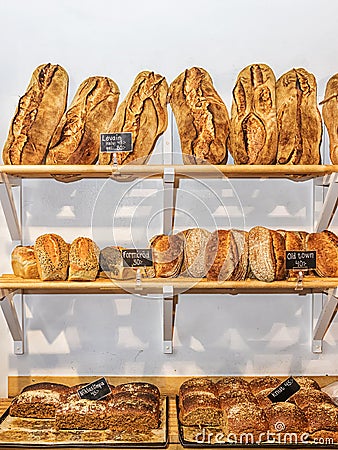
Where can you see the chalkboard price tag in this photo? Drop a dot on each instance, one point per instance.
(300, 260)
(284, 390)
(95, 390)
(137, 257)
(116, 142)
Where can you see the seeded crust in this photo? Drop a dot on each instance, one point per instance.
(298, 118)
(52, 256)
(194, 263)
(304, 397)
(55, 387)
(236, 397)
(36, 403)
(221, 255)
(201, 116)
(23, 262)
(76, 139)
(321, 416)
(325, 244)
(83, 260)
(253, 125)
(246, 418)
(138, 386)
(143, 113)
(200, 409)
(262, 383)
(167, 255)
(38, 113)
(307, 383)
(197, 384)
(82, 414)
(286, 417)
(330, 115)
(228, 384)
(262, 398)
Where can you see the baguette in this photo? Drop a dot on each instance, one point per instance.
(330, 115)
(37, 116)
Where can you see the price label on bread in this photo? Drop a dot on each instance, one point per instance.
(116, 142)
(284, 391)
(134, 257)
(300, 260)
(95, 391)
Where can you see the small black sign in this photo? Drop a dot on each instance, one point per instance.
(137, 257)
(95, 390)
(284, 390)
(300, 260)
(116, 142)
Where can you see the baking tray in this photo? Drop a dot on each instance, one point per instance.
(214, 437)
(16, 432)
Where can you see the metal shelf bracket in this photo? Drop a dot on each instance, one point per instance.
(169, 309)
(8, 205)
(14, 324)
(325, 318)
(169, 199)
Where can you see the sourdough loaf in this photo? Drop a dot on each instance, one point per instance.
(201, 116)
(23, 262)
(194, 263)
(76, 139)
(167, 255)
(143, 113)
(253, 125)
(52, 257)
(325, 243)
(83, 260)
(298, 118)
(37, 116)
(330, 115)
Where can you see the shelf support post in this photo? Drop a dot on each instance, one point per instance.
(8, 206)
(14, 324)
(169, 199)
(169, 308)
(324, 320)
(330, 203)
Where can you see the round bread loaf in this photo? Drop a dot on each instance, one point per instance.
(325, 244)
(24, 262)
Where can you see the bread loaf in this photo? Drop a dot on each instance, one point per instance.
(82, 414)
(194, 263)
(246, 419)
(321, 416)
(261, 383)
(76, 139)
(294, 240)
(291, 417)
(253, 125)
(23, 262)
(83, 260)
(37, 116)
(325, 244)
(201, 116)
(298, 118)
(330, 115)
(143, 113)
(52, 256)
(167, 255)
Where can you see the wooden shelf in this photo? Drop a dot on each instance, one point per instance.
(125, 172)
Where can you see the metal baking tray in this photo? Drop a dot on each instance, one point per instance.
(214, 437)
(16, 432)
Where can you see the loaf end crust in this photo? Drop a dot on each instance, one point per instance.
(330, 115)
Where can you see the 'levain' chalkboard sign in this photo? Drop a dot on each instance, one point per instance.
(284, 390)
(137, 257)
(116, 142)
(301, 260)
(95, 390)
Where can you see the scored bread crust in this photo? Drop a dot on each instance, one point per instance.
(143, 113)
(330, 115)
(298, 118)
(201, 116)
(24, 262)
(253, 125)
(37, 115)
(241, 238)
(76, 139)
(194, 263)
(325, 243)
(167, 255)
(222, 256)
(83, 259)
(52, 256)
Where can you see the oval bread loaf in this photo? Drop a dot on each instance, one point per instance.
(24, 262)
(83, 260)
(167, 255)
(325, 244)
(52, 256)
(330, 115)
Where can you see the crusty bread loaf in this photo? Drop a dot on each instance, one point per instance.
(262, 383)
(37, 115)
(262, 398)
(83, 260)
(307, 383)
(143, 113)
(241, 238)
(330, 115)
(236, 397)
(82, 414)
(253, 125)
(200, 409)
(307, 395)
(229, 384)
(325, 244)
(23, 262)
(52, 256)
(321, 416)
(167, 255)
(294, 240)
(266, 254)
(194, 263)
(285, 417)
(201, 116)
(246, 419)
(76, 139)
(298, 118)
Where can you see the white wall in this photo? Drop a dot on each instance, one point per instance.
(112, 335)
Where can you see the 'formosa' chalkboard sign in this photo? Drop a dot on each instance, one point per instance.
(137, 257)
(95, 390)
(116, 142)
(301, 260)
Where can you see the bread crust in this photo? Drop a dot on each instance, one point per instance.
(167, 255)
(253, 125)
(221, 256)
(325, 244)
(83, 260)
(23, 262)
(330, 115)
(52, 256)
(201, 116)
(37, 116)
(143, 113)
(195, 240)
(298, 118)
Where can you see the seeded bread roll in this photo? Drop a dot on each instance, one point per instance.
(194, 263)
(253, 125)
(23, 262)
(143, 113)
(266, 254)
(37, 116)
(325, 244)
(52, 257)
(298, 118)
(330, 115)
(201, 116)
(76, 139)
(167, 255)
(83, 260)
